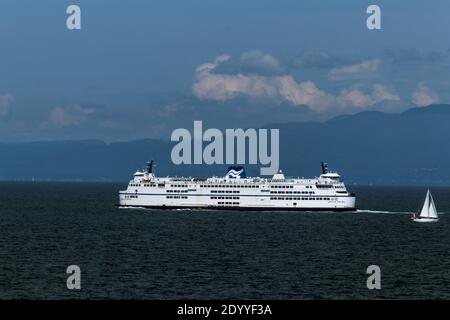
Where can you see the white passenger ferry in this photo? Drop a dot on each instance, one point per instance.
(237, 191)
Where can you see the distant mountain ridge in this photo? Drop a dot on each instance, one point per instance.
(408, 148)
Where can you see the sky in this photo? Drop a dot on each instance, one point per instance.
(139, 69)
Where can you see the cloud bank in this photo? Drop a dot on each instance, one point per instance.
(211, 84)
(252, 62)
(69, 116)
(424, 96)
(356, 71)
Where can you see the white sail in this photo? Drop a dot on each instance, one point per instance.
(426, 206)
(432, 212)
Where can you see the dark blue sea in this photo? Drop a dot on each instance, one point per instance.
(145, 254)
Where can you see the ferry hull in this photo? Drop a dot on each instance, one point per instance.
(236, 191)
(238, 208)
(342, 204)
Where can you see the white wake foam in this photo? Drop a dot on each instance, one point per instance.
(381, 211)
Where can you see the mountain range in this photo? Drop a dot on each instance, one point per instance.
(367, 148)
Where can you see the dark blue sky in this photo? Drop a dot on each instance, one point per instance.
(140, 68)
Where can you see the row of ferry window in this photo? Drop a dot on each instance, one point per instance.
(323, 186)
(287, 187)
(176, 197)
(224, 197)
(281, 198)
(229, 186)
(178, 191)
(146, 185)
(130, 197)
(225, 191)
(296, 192)
(228, 203)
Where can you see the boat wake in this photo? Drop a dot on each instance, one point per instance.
(131, 207)
(381, 211)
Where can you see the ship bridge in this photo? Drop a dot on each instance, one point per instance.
(331, 175)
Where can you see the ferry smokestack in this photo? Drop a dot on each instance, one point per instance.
(150, 166)
(324, 167)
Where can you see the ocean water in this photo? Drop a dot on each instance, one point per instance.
(150, 254)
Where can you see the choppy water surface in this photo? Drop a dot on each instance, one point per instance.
(145, 254)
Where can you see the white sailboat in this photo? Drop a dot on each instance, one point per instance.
(428, 212)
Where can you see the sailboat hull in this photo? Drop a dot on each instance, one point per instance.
(426, 219)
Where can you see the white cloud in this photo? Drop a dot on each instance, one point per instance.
(251, 63)
(5, 103)
(424, 96)
(222, 87)
(69, 116)
(304, 93)
(212, 85)
(381, 93)
(260, 63)
(355, 71)
(356, 98)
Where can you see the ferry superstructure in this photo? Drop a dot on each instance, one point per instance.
(236, 191)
